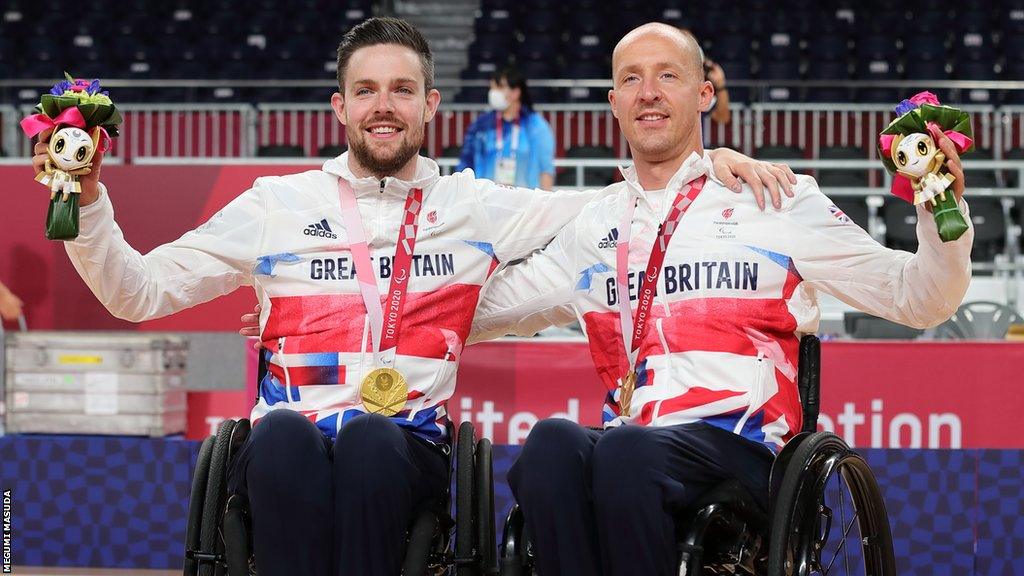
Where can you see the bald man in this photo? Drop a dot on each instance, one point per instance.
(713, 296)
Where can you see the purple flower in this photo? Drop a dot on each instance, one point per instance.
(94, 87)
(904, 107)
(60, 87)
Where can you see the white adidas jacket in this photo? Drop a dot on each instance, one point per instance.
(285, 237)
(737, 291)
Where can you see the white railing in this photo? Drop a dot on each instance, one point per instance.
(180, 130)
(212, 130)
(812, 126)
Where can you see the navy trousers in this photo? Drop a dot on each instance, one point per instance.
(341, 510)
(605, 502)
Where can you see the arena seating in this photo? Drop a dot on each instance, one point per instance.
(782, 41)
(757, 39)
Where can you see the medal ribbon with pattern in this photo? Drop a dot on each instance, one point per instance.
(384, 390)
(636, 326)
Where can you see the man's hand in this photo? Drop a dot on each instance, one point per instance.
(251, 325)
(953, 163)
(10, 305)
(777, 178)
(90, 182)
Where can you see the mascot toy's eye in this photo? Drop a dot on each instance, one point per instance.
(922, 148)
(58, 146)
(80, 155)
(901, 158)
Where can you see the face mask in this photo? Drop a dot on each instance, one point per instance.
(497, 99)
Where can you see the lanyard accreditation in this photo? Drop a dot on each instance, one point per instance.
(499, 130)
(384, 390)
(636, 326)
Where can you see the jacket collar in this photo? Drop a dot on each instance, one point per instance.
(427, 173)
(694, 166)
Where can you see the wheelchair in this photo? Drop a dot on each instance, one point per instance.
(825, 502)
(218, 539)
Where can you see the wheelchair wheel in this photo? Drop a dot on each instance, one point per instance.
(484, 496)
(516, 550)
(465, 527)
(195, 505)
(237, 521)
(829, 516)
(210, 540)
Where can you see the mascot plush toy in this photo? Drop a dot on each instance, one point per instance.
(912, 155)
(82, 120)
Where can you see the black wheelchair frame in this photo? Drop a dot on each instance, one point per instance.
(218, 538)
(727, 532)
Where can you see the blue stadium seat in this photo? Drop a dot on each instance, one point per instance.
(931, 22)
(1011, 19)
(779, 46)
(920, 47)
(1013, 46)
(780, 70)
(538, 48)
(978, 21)
(926, 70)
(730, 48)
(826, 47)
(877, 47)
(973, 70)
(590, 48)
(480, 70)
(880, 71)
(586, 22)
(828, 70)
(540, 22)
(974, 46)
(497, 23)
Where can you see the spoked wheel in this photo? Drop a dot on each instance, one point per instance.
(828, 516)
(195, 506)
(483, 494)
(465, 524)
(211, 540)
(237, 521)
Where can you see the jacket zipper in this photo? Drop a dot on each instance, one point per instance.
(380, 207)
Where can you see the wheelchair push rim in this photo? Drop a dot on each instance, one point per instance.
(815, 534)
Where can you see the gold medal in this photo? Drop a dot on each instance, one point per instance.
(626, 395)
(384, 391)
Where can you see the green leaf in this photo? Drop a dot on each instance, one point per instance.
(65, 102)
(48, 104)
(102, 114)
(88, 111)
(62, 218)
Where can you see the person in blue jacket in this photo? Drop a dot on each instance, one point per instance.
(512, 144)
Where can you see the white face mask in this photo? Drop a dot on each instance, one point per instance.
(496, 99)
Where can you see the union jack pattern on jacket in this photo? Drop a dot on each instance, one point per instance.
(285, 237)
(737, 291)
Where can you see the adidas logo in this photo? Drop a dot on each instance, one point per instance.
(320, 229)
(611, 240)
